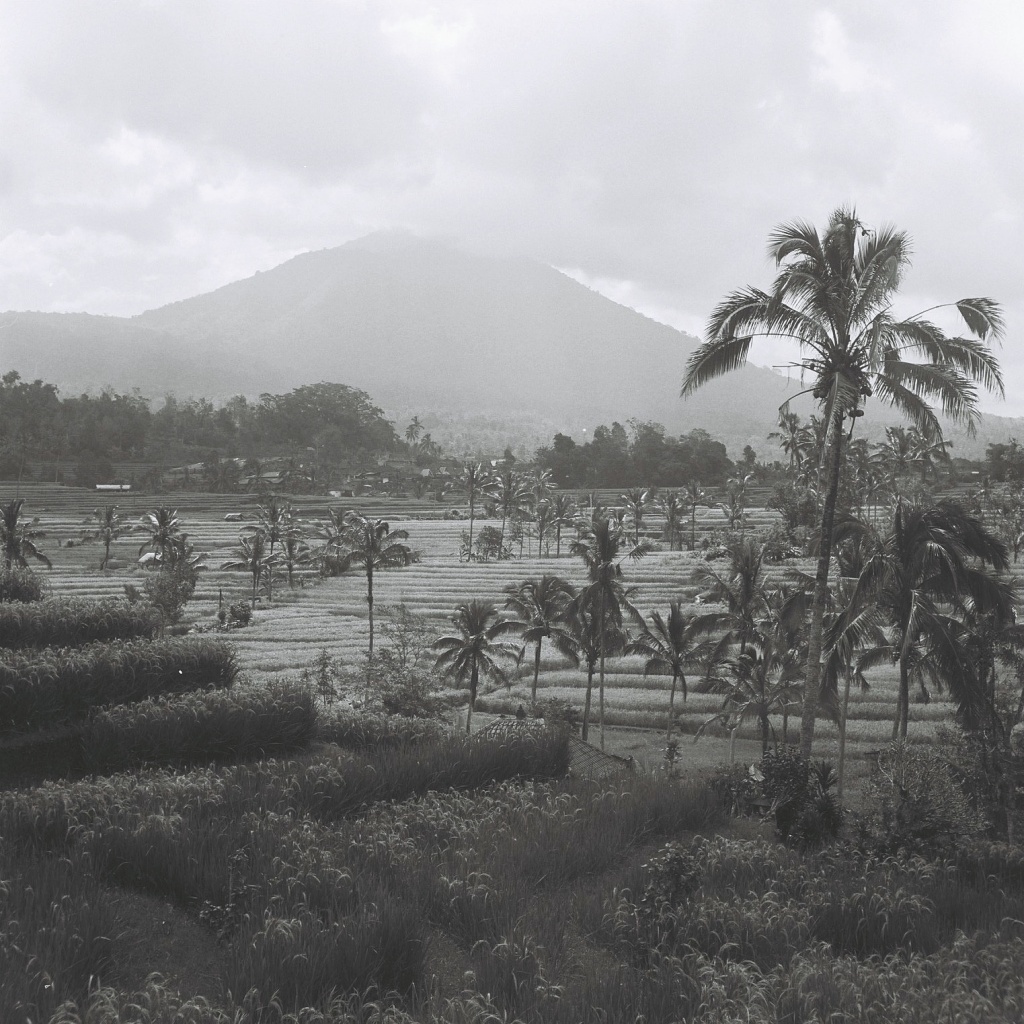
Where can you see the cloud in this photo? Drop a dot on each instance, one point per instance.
(152, 150)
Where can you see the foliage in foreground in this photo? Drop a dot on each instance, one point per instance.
(19, 584)
(40, 689)
(184, 730)
(74, 622)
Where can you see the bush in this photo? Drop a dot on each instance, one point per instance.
(240, 615)
(170, 588)
(18, 584)
(737, 788)
(73, 622)
(806, 811)
(45, 689)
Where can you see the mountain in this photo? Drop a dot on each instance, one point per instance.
(422, 326)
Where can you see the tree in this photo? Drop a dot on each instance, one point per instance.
(603, 550)
(833, 296)
(789, 437)
(111, 524)
(742, 589)
(475, 651)
(670, 646)
(476, 482)
(539, 609)
(511, 495)
(694, 496)
(253, 556)
(563, 513)
(372, 544)
(18, 536)
(671, 507)
(163, 529)
(933, 571)
(635, 503)
(275, 518)
(582, 624)
(413, 431)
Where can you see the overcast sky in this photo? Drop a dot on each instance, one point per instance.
(153, 150)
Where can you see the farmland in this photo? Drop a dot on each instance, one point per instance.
(286, 635)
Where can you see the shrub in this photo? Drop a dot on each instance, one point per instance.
(806, 811)
(171, 587)
(73, 622)
(240, 615)
(20, 584)
(47, 688)
(736, 787)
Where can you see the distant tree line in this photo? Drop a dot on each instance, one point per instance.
(645, 456)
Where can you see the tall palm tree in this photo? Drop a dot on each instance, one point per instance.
(511, 495)
(475, 651)
(833, 296)
(274, 519)
(19, 537)
(539, 609)
(936, 568)
(671, 507)
(671, 646)
(413, 431)
(694, 495)
(253, 556)
(789, 437)
(372, 544)
(163, 529)
(742, 588)
(110, 525)
(543, 520)
(635, 503)
(602, 546)
(563, 513)
(476, 482)
(582, 624)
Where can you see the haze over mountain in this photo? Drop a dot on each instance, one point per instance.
(422, 326)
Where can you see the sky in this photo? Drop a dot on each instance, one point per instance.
(150, 151)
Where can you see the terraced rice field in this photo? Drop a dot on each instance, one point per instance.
(285, 636)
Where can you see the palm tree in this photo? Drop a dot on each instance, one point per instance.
(694, 495)
(539, 609)
(789, 437)
(670, 647)
(274, 519)
(563, 513)
(474, 652)
(294, 553)
(413, 431)
(543, 520)
(111, 524)
(833, 296)
(742, 589)
(253, 557)
(582, 624)
(602, 548)
(163, 528)
(635, 502)
(19, 537)
(372, 544)
(476, 481)
(937, 567)
(511, 497)
(671, 507)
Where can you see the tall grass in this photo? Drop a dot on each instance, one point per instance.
(42, 689)
(72, 622)
(19, 584)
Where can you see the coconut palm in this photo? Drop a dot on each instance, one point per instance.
(475, 651)
(937, 568)
(693, 496)
(582, 624)
(110, 525)
(635, 503)
(539, 609)
(671, 646)
(563, 513)
(163, 529)
(833, 296)
(511, 495)
(253, 556)
(742, 588)
(543, 520)
(19, 537)
(275, 518)
(603, 549)
(671, 507)
(476, 482)
(413, 431)
(372, 544)
(789, 437)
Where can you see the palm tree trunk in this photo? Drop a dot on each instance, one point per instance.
(472, 511)
(501, 539)
(812, 675)
(558, 542)
(693, 529)
(473, 679)
(732, 743)
(369, 604)
(600, 697)
(899, 730)
(671, 709)
(842, 738)
(536, 673)
(765, 729)
(586, 700)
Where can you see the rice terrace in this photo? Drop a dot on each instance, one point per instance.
(307, 721)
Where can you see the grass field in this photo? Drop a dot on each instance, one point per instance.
(286, 635)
